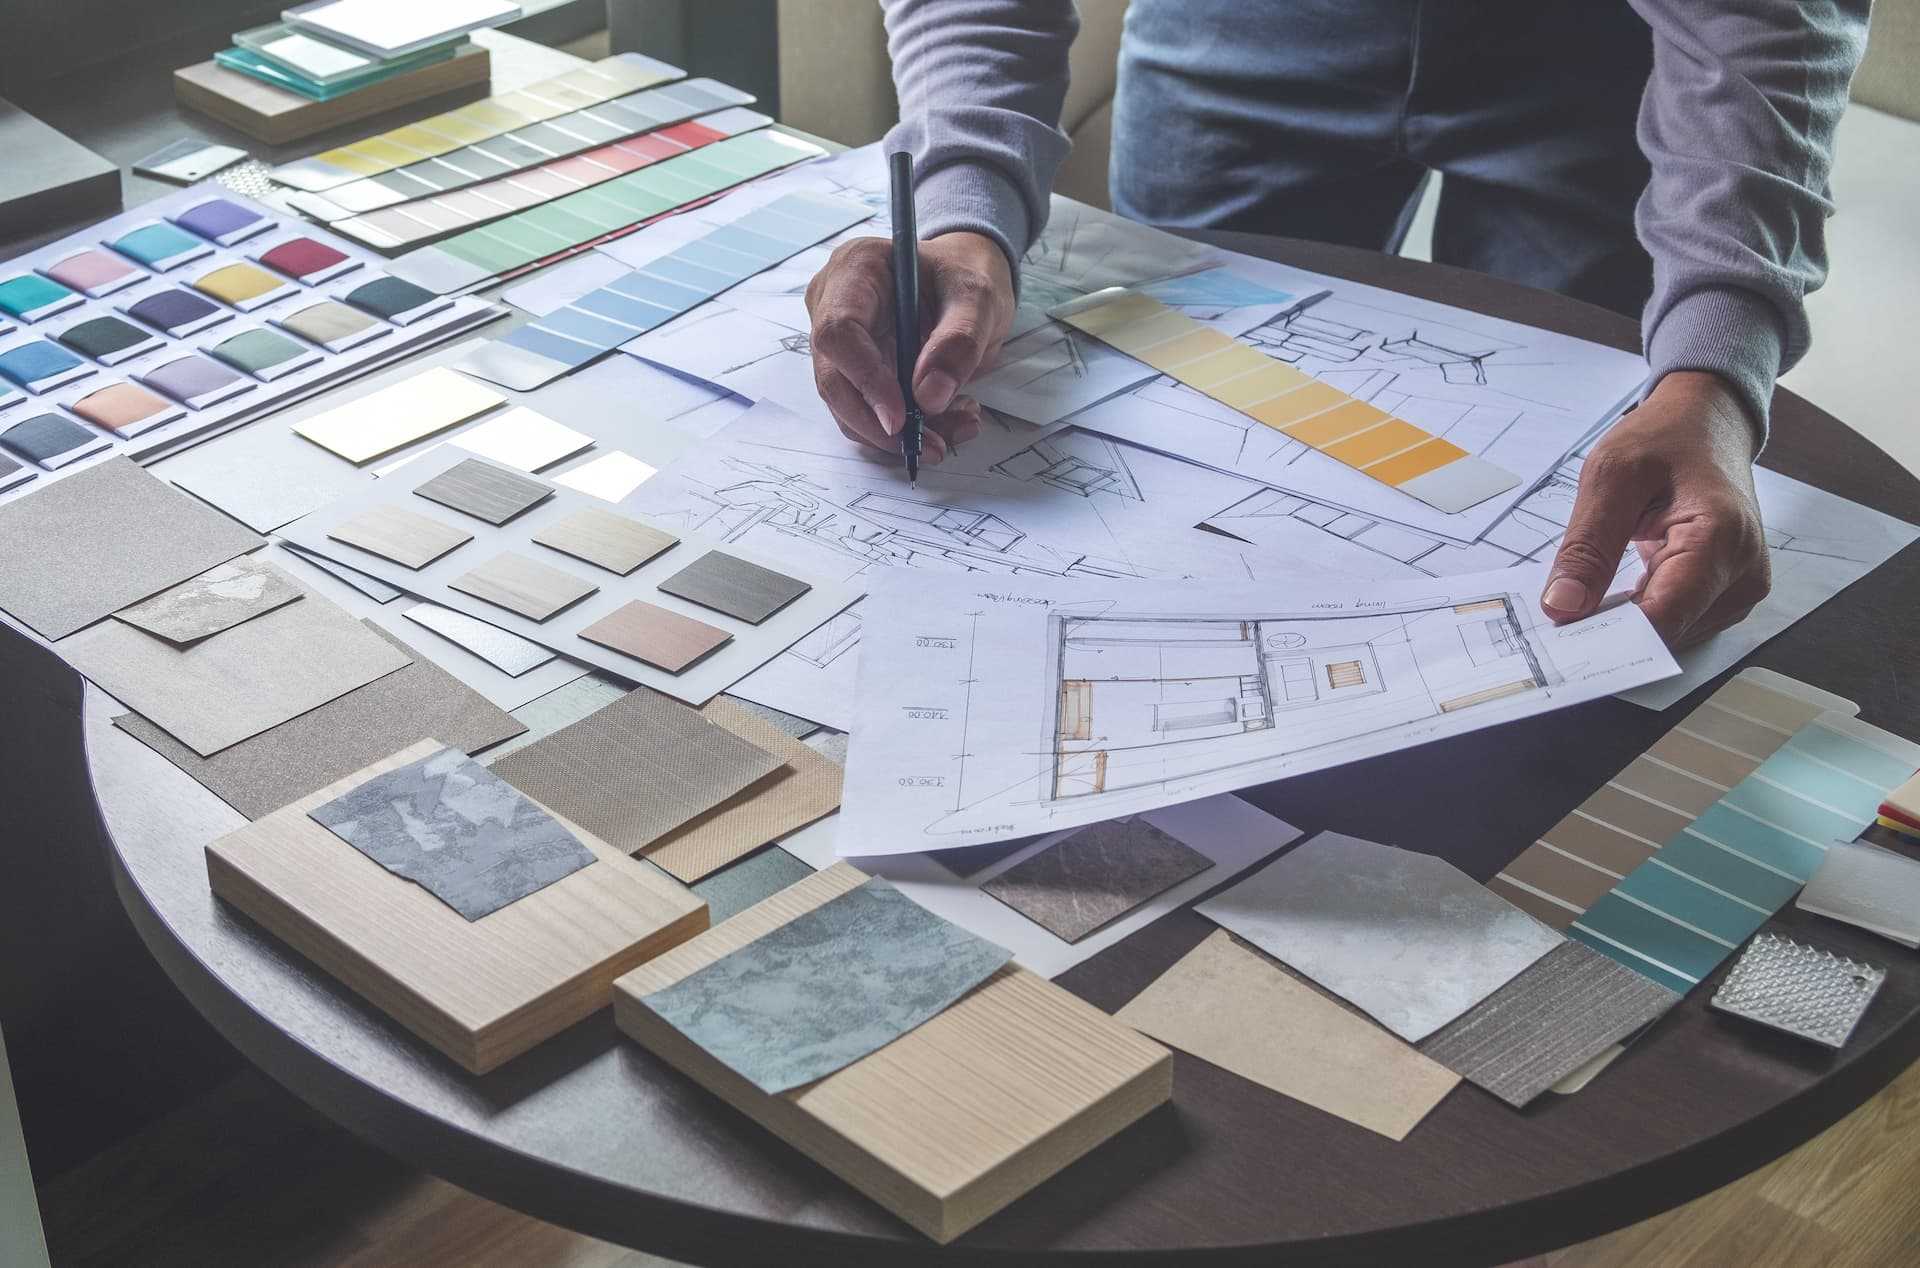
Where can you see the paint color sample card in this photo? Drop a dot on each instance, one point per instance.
(1407, 937)
(1676, 916)
(1345, 428)
(396, 416)
(481, 121)
(142, 535)
(1231, 1007)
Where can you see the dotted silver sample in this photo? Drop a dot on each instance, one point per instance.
(1799, 989)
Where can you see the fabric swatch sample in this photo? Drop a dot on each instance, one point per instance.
(805, 786)
(561, 707)
(503, 649)
(485, 490)
(615, 542)
(1867, 886)
(1407, 938)
(159, 245)
(218, 599)
(410, 540)
(244, 286)
(1097, 875)
(1561, 1012)
(142, 536)
(52, 440)
(126, 409)
(380, 422)
(177, 312)
(93, 271)
(40, 365)
(305, 259)
(636, 769)
(247, 679)
(332, 325)
(457, 830)
(654, 636)
(12, 474)
(734, 889)
(1230, 1007)
(195, 381)
(781, 721)
(302, 755)
(108, 340)
(219, 220)
(740, 589)
(265, 354)
(828, 987)
(30, 297)
(523, 585)
(395, 299)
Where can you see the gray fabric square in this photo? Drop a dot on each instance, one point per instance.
(828, 987)
(740, 589)
(457, 830)
(84, 547)
(218, 599)
(485, 491)
(1095, 876)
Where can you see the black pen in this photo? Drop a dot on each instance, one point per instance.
(906, 305)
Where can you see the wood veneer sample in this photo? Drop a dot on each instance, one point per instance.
(480, 991)
(485, 491)
(408, 539)
(523, 585)
(953, 1120)
(654, 636)
(618, 543)
(740, 589)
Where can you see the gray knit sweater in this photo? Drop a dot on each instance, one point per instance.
(1737, 120)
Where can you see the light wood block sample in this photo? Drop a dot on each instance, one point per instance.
(953, 1120)
(277, 116)
(480, 991)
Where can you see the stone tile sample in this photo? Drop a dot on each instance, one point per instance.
(740, 885)
(828, 987)
(503, 649)
(279, 766)
(1407, 938)
(408, 539)
(654, 636)
(140, 535)
(1097, 875)
(457, 830)
(971, 860)
(636, 769)
(218, 599)
(618, 543)
(485, 490)
(742, 590)
(523, 585)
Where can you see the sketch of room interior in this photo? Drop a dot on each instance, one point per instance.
(1140, 700)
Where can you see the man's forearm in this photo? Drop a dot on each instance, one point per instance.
(1738, 124)
(981, 83)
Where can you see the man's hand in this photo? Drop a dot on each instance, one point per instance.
(1675, 476)
(966, 306)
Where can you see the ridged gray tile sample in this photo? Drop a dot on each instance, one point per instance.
(740, 589)
(374, 588)
(410, 540)
(457, 830)
(1095, 876)
(523, 585)
(485, 490)
(1800, 989)
(738, 886)
(503, 649)
(218, 599)
(1564, 1009)
(638, 768)
(86, 546)
(828, 987)
(618, 543)
(1407, 938)
(279, 766)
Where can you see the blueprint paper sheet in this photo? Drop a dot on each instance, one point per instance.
(992, 708)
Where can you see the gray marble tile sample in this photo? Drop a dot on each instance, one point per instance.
(86, 546)
(453, 827)
(263, 475)
(1407, 938)
(971, 860)
(738, 886)
(522, 585)
(242, 681)
(279, 766)
(828, 987)
(1563, 1010)
(1097, 875)
(218, 599)
(618, 543)
(374, 588)
(636, 769)
(408, 539)
(485, 490)
(505, 651)
(742, 590)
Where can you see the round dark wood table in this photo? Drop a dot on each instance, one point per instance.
(592, 1132)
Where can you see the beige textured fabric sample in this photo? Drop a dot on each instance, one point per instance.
(803, 788)
(1227, 1005)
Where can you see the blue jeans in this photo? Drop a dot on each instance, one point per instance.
(1323, 119)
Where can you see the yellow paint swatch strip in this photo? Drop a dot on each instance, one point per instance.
(1348, 430)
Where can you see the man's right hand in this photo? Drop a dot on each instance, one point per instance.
(966, 306)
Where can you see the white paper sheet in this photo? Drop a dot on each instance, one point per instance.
(1232, 833)
(994, 708)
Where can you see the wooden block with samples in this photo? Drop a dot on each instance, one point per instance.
(953, 1120)
(481, 991)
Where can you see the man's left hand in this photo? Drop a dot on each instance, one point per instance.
(1674, 477)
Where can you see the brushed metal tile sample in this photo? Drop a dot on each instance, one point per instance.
(1800, 989)
(666, 640)
(523, 585)
(740, 589)
(1095, 876)
(408, 539)
(491, 493)
(218, 599)
(604, 539)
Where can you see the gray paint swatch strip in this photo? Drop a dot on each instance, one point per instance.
(828, 987)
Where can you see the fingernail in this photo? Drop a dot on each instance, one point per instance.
(1565, 594)
(935, 392)
(888, 422)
